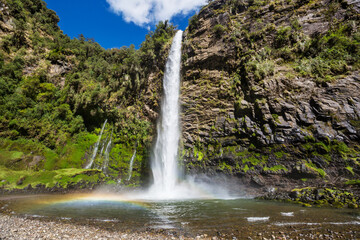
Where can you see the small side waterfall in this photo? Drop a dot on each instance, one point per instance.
(103, 146)
(164, 164)
(106, 154)
(131, 164)
(96, 147)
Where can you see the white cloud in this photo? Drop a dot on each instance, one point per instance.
(143, 12)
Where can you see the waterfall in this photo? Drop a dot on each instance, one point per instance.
(103, 145)
(164, 164)
(131, 164)
(106, 154)
(168, 183)
(96, 147)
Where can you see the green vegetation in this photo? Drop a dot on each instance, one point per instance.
(56, 92)
(324, 197)
(193, 23)
(353, 182)
(312, 167)
(276, 168)
(63, 178)
(219, 30)
(350, 169)
(331, 54)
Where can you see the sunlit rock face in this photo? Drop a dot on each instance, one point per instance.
(262, 97)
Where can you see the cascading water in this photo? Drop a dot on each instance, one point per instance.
(168, 182)
(103, 146)
(164, 163)
(96, 147)
(131, 164)
(106, 154)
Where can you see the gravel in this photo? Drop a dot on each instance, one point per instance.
(17, 228)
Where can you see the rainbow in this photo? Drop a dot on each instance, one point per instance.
(92, 197)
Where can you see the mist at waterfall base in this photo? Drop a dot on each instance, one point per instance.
(168, 180)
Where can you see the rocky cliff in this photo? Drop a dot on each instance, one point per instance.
(270, 92)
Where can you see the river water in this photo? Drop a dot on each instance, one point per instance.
(188, 217)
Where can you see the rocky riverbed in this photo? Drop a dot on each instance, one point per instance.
(15, 227)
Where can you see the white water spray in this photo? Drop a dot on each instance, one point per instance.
(96, 147)
(131, 164)
(168, 182)
(164, 163)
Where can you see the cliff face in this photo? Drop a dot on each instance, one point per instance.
(270, 92)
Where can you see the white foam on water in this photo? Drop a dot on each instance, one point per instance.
(258, 219)
(314, 224)
(287, 214)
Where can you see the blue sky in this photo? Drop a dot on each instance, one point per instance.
(117, 23)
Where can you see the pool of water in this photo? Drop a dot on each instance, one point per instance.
(189, 217)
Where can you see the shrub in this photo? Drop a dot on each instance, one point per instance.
(219, 30)
(282, 37)
(193, 23)
(261, 68)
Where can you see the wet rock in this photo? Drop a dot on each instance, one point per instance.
(20, 181)
(258, 180)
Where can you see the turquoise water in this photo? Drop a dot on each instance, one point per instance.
(191, 216)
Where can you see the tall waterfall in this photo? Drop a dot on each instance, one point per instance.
(164, 164)
(96, 147)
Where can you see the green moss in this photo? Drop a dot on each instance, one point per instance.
(198, 154)
(312, 166)
(275, 117)
(322, 147)
(355, 123)
(51, 158)
(7, 156)
(62, 178)
(353, 182)
(111, 182)
(279, 154)
(246, 168)
(306, 189)
(341, 148)
(350, 169)
(72, 155)
(276, 168)
(306, 205)
(224, 166)
(253, 160)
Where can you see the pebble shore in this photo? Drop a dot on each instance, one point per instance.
(21, 228)
(17, 228)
